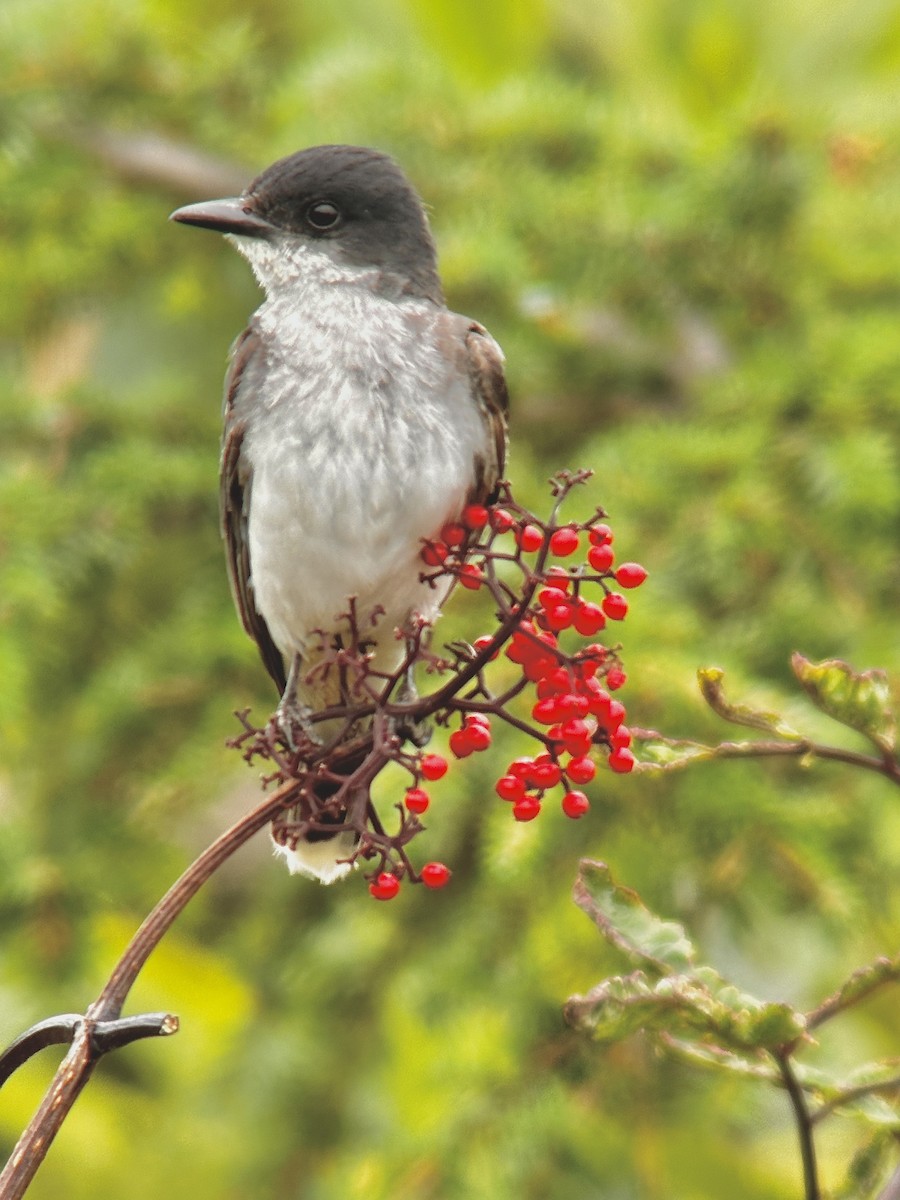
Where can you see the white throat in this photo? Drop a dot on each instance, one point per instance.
(287, 266)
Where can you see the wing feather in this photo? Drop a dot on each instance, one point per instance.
(485, 361)
(236, 483)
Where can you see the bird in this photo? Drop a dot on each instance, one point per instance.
(360, 416)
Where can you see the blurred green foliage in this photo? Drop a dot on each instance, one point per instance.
(679, 219)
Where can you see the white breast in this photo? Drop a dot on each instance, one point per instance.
(361, 443)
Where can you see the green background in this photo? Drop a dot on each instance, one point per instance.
(679, 218)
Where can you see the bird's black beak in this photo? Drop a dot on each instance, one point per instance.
(224, 216)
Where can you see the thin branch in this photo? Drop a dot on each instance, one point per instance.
(108, 1035)
(804, 1125)
(55, 1031)
(101, 1030)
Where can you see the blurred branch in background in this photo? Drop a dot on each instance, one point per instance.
(153, 159)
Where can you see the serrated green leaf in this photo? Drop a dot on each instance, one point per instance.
(703, 1054)
(711, 679)
(626, 922)
(681, 1005)
(858, 699)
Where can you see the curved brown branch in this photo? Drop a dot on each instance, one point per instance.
(100, 1029)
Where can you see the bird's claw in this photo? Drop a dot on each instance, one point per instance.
(292, 718)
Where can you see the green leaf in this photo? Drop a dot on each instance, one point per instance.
(668, 993)
(698, 1005)
(858, 699)
(703, 1054)
(713, 691)
(626, 922)
(656, 752)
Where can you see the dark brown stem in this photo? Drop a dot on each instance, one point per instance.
(804, 1125)
(96, 1033)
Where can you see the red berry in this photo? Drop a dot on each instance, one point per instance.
(501, 521)
(460, 745)
(563, 542)
(470, 576)
(575, 804)
(599, 704)
(559, 616)
(615, 678)
(519, 767)
(620, 738)
(548, 688)
(549, 597)
(601, 558)
(539, 667)
(531, 771)
(615, 606)
(475, 516)
(453, 534)
(530, 538)
(545, 711)
(600, 535)
(433, 766)
(545, 774)
(615, 714)
(519, 649)
(570, 706)
(417, 799)
(559, 577)
(384, 886)
(591, 657)
(510, 787)
(581, 770)
(527, 808)
(630, 575)
(579, 745)
(480, 644)
(575, 727)
(436, 875)
(434, 554)
(622, 760)
(589, 618)
(478, 737)
(478, 718)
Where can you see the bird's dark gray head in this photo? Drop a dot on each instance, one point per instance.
(351, 202)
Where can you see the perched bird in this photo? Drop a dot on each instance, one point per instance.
(361, 415)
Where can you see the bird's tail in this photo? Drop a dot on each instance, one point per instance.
(321, 853)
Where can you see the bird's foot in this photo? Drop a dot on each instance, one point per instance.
(412, 729)
(293, 722)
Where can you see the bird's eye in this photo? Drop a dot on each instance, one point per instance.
(323, 215)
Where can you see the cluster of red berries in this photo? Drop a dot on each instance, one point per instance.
(573, 711)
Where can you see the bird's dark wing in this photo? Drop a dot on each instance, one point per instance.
(485, 363)
(235, 480)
